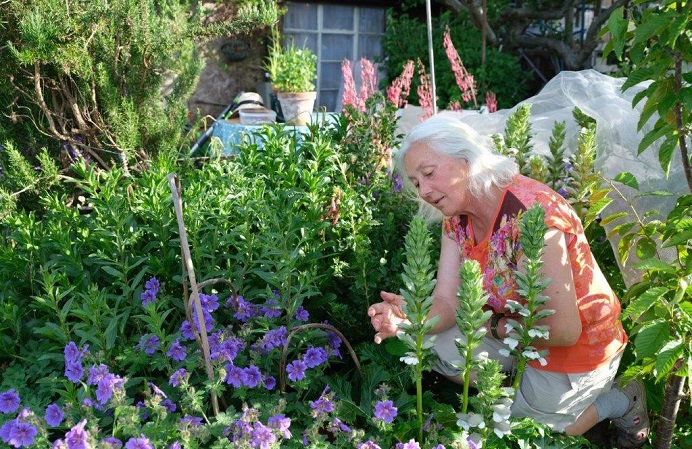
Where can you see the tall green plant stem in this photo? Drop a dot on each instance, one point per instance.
(470, 319)
(531, 284)
(419, 282)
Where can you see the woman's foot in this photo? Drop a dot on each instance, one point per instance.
(632, 428)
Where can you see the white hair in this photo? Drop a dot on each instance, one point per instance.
(447, 135)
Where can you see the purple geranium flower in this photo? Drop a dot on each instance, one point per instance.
(385, 411)
(9, 401)
(281, 423)
(149, 343)
(113, 442)
(96, 373)
(251, 376)
(269, 382)
(209, 302)
(153, 285)
(178, 377)
(175, 445)
(77, 437)
(177, 351)
(139, 443)
(74, 371)
(22, 434)
(169, 405)
(6, 430)
(412, 444)
(302, 314)
(261, 436)
(315, 357)
(53, 415)
(368, 445)
(72, 353)
(296, 370)
(234, 375)
(322, 406)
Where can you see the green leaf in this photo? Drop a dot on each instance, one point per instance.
(627, 179)
(612, 217)
(652, 136)
(638, 76)
(654, 265)
(646, 248)
(595, 209)
(680, 238)
(649, 339)
(644, 302)
(112, 271)
(667, 357)
(665, 153)
(617, 24)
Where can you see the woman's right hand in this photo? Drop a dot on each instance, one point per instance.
(386, 316)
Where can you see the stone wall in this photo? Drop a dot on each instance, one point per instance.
(225, 74)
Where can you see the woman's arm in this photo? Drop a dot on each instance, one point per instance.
(385, 316)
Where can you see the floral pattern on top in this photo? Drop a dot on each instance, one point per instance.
(498, 261)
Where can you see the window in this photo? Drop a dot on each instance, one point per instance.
(334, 33)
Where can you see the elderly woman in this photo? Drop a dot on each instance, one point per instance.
(478, 194)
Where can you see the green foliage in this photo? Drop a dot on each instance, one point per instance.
(517, 138)
(418, 279)
(406, 39)
(291, 68)
(90, 77)
(470, 319)
(656, 42)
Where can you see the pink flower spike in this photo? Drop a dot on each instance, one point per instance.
(463, 78)
(349, 98)
(491, 101)
(425, 94)
(368, 80)
(400, 89)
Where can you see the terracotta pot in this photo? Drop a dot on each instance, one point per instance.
(297, 107)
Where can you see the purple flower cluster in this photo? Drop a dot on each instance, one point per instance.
(225, 348)
(151, 287)
(324, 405)
(250, 432)
(313, 357)
(9, 401)
(243, 377)
(272, 307)
(73, 361)
(149, 343)
(177, 351)
(16, 432)
(244, 310)
(106, 383)
(273, 338)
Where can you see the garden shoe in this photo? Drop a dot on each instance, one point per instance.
(632, 428)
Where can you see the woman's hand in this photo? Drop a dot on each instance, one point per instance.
(386, 316)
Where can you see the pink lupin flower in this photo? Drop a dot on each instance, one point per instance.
(491, 101)
(400, 89)
(350, 97)
(425, 94)
(368, 80)
(463, 78)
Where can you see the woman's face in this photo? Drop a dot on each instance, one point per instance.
(441, 181)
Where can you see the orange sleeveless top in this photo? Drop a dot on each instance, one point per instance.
(599, 308)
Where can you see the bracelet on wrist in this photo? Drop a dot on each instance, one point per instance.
(494, 322)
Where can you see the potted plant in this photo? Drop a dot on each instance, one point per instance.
(292, 71)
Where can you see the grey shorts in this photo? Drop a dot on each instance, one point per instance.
(554, 399)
